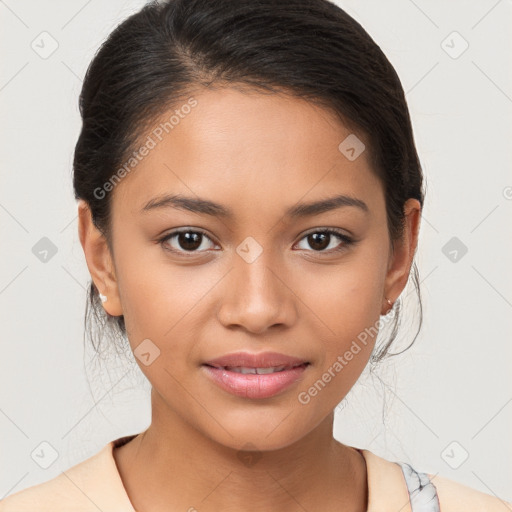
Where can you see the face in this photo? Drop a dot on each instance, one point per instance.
(255, 273)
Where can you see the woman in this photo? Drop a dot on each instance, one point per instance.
(249, 207)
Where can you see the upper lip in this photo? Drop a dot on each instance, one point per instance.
(259, 360)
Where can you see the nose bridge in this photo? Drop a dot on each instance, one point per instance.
(257, 298)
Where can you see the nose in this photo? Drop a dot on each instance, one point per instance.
(257, 296)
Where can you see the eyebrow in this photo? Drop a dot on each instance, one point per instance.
(207, 207)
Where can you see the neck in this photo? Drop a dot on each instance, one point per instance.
(174, 466)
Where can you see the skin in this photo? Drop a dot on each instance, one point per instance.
(257, 155)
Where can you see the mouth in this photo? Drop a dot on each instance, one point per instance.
(273, 361)
(263, 370)
(255, 382)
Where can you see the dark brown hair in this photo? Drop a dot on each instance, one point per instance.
(311, 49)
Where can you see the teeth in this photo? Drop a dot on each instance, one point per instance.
(263, 371)
(259, 371)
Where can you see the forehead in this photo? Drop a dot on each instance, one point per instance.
(247, 149)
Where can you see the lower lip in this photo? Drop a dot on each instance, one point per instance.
(254, 385)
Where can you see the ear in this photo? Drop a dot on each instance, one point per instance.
(402, 253)
(99, 260)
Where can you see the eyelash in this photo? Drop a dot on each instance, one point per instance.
(347, 241)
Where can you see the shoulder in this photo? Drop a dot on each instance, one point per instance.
(395, 484)
(454, 496)
(91, 485)
(46, 496)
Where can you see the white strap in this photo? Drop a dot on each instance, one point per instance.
(422, 492)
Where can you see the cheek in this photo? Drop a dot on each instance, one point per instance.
(161, 301)
(349, 297)
(147, 289)
(348, 302)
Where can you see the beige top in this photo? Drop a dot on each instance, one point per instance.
(95, 484)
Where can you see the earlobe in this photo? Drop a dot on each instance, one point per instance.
(403, 251)
(99, 260)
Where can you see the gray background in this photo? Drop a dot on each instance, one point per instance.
(445, 405)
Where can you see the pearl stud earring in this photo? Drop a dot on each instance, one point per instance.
(390, 304)
(103, 297)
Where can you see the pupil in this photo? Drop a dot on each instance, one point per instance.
(189, 241)
(313, 240)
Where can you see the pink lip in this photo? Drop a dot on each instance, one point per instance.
(259, 360)
(254, 385)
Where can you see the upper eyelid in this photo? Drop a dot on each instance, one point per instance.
(336, 231)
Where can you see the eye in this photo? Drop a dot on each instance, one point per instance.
(192, 241)
(185, 241)
(322, 239)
